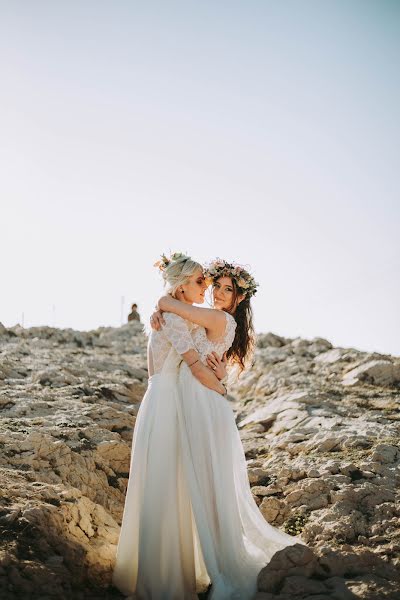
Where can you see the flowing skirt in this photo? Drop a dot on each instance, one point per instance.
(236, 540)
(158, 553)
(189, 516)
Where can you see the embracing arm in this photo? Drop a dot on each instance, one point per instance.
(209, 318)
(176, 331)
(205, 375)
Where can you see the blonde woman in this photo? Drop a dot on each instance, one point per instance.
(156, 554)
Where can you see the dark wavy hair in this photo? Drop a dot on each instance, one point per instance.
(242, 349)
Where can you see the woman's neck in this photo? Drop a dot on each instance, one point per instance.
(181, 297)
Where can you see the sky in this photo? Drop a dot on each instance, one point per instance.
(262, 132)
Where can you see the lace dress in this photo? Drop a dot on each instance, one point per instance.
(235, 539)
(157, 554)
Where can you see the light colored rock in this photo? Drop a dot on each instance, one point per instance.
(278, 405)
(377, 372)
(270, 339)
(321, 455)
(330, 356)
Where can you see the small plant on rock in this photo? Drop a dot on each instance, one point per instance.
(295, 523)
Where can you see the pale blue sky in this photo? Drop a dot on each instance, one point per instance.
(261, 132)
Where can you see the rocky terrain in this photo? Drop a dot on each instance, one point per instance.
(320, 427)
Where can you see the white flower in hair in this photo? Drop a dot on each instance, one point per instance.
(163, 263)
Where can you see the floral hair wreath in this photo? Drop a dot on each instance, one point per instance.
(163, 263)
(220, 268)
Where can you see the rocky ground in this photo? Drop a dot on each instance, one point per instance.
(320, 427)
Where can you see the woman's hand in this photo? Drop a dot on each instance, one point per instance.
(205, 375)
(217, 365)
(156, 320)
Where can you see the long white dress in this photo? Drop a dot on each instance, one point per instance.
(156, 553)
(235, 539)
(190, 517)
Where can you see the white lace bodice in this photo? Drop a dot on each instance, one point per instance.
(181, 336)
(205, 346)
(174, 334)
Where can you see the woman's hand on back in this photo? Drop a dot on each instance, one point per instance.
(157, 320)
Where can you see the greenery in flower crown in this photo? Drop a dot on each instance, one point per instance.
(163, 263)
(220, 268)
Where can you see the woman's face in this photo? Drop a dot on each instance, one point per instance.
(223, 293)
(194, 288)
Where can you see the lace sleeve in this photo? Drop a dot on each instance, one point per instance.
(177, 333)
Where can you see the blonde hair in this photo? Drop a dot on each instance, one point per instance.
(178, 272)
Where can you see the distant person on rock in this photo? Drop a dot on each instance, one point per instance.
(134, 315)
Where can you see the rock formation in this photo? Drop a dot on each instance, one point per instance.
(320, 428)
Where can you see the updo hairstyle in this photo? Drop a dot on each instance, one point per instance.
(178, 272)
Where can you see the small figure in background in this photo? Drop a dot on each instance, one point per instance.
(134, 315)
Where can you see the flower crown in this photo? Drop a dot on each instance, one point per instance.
(220, 268)
(165, 261)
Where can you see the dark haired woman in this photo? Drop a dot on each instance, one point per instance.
(235, 539)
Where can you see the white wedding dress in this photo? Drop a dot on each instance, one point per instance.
(190, 518)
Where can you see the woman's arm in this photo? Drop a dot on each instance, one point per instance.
(211, 319)
(202, 373)
(177, 333)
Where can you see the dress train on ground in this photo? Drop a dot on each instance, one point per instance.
(190, 517)
(236, 540)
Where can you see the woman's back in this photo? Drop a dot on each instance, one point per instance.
(205, 346)
(170, 342)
